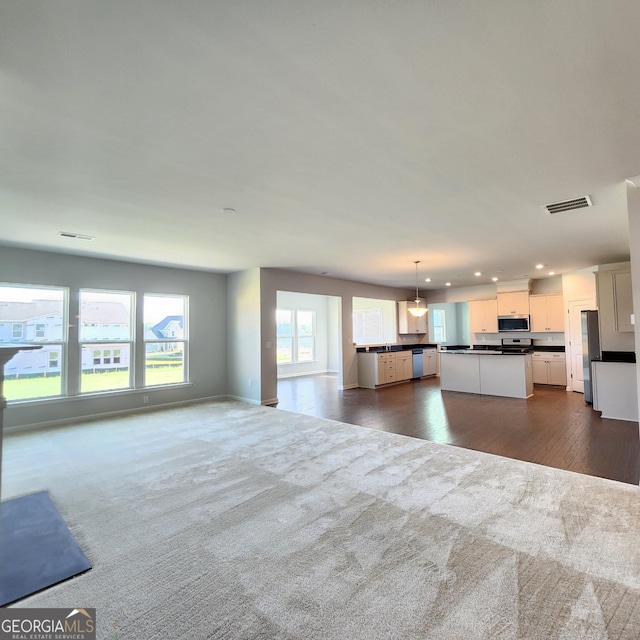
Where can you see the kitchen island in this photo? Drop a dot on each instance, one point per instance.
(492, 373)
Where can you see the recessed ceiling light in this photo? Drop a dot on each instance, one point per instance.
(448, 284)
(427, 279)
(552, 273)
(495, 279)
(539, 266)
(229, 211)
(477, 273)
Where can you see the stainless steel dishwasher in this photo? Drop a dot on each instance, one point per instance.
(417, 363)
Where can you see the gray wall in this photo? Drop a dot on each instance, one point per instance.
(207, 336)
(244, 335)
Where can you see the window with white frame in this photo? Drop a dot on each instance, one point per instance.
(165, 339)
(34, 315)
(105, 325)
(368, 326)
(295, 336)
(106, 340)
(439, 325)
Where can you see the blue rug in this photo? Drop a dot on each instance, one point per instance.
(37, 549)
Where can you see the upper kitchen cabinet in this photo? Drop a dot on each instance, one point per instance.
(615, 306)
(515, 303)
(547, 314)
(407, 322)
(483, 316)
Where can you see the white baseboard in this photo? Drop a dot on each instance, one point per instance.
(107, 414)
(347, 386)
(242, 399)
(303, 373)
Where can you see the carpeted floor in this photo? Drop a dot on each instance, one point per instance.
(225, 520)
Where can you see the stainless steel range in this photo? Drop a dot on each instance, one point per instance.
(516, 345)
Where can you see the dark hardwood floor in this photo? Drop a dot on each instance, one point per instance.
(555, 428)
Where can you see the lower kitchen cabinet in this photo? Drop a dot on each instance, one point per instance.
(404, 365)
(614, 390)
(485, 373)
(549, 368)
(429, 362)
(386, 367)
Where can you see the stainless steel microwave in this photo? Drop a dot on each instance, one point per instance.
(513, 323)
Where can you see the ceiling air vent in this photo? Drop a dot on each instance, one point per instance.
(569, 205)
(75, 236)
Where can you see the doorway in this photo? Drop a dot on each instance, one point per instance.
(574, 355)
(308, 335)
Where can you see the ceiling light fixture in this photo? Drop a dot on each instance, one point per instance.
(448, 284)
(229, 211)
(552, 273)
(494, 279)
(427, 279)
(539, 266)
(477, 273)
(417, 311)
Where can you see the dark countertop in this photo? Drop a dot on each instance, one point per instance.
(548, 348)
(616, 356)
(485, 352)
(395, 347)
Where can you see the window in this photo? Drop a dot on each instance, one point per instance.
(374, 321)
(305, 336)
(368, 326)
(295, 336)
(165, 339)
(105, 325)
(284, 336)
(439, 326)
(34, 315)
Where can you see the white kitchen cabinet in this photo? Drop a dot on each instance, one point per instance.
(407, 322)
(388, 369)
(615, 306)
(384, 367)
(513, 303)
(547, 314)
(373, 370)
(623, 300)
(485, 373)
(549, 368)
(483, 316)
(404, 365)
(429, 362)
(614, 390)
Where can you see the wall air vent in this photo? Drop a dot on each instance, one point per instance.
(569, 205)
(75, 236)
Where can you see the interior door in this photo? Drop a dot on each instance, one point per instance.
(574, 348)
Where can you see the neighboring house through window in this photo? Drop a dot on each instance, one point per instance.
(34, 315)
(165, 339)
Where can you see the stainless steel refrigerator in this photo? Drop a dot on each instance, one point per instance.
(590, 349)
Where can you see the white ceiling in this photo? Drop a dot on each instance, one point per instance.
(351, 137)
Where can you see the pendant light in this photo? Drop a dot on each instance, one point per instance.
(417, 311)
